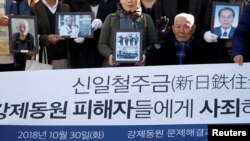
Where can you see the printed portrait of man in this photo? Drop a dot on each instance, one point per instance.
(226, 18)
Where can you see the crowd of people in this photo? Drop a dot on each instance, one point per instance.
(174, 32)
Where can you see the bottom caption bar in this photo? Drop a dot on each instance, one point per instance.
(232, 131)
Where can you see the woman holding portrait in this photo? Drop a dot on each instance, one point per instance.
(128, 16)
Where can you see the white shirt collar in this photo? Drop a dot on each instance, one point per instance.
(52, 9)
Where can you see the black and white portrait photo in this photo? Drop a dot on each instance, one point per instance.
(128, 46)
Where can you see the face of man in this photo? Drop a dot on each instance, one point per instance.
(68, 21)
(22, 29)
(130, 5)
(183, 29)
(226, 19)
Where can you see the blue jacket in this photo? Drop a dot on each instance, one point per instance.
(241, 38)
(10, 6)
(217, 31)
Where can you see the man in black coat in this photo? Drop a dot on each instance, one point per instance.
(166, 10)
(83, 51)
(53, 48)
(182, 47)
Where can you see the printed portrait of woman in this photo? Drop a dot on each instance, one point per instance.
(22, 40)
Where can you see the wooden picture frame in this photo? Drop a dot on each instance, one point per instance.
(79, 24)
(225, 18)
(128, 46)
(23, 34)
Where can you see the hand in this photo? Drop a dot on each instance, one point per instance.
(142, 62)
(209, 37)
(4, 20)
(31, 54)
(238, 59)
(96, 24)
(79, 40)
(53, 39)
(111, 62)
(162, 23)
(157, 45)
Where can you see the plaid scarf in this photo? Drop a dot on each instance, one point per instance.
(181, 49)
(136, 16)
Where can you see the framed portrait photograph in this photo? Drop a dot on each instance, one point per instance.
(225, 19)
(23, 34)
(128, 46)
(74, 24)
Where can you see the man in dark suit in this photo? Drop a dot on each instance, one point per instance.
(53, 48)
(226, 18)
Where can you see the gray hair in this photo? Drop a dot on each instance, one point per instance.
(24, 22)
(188, 17)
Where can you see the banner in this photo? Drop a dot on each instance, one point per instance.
(124, 103)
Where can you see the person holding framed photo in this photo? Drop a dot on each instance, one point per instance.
(11, 61)
(219, 50)
(83, 51)
(127, 17)
(208, 36)
(53, 48)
